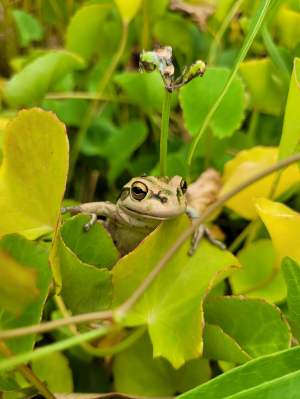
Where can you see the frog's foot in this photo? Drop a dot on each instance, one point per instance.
(91, 222)
(200, 232)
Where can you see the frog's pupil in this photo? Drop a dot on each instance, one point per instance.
(139, 191)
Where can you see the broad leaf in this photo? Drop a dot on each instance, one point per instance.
(266, 91)
(80, 262)
(283, 225)
(55, 371)
(33, 173)
(33, 257)
(291, 127)
(220, 346)
(128, 9)
(144, 89)
(198, 96)
(259, 276)
(174, 321)
(274, 376)
(30, 85)
(248, 163)
(18, 284)
(85, 28)
(291, 273)
(137, 373)
(232, 315)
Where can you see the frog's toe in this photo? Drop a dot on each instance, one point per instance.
(91, 222)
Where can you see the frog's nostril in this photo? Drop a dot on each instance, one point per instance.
(163, 199)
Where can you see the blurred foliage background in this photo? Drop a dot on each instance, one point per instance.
(80, 59)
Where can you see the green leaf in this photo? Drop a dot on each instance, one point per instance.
(220, 346)
(263, 81)
(274, 376)
(128, 9)
(198, 96)
(137, 373)
(83, 286)
(29, 28)
(174, 321)
(291, 128)
(144, 89)
(95, 247)
(33, 173)
(112, 141)
(232, 315)
(254, 26)
(34, 257)
(291, 273)
(259, 276)
(85, 28)
(55, 371)
(18, 284)
(30, 85)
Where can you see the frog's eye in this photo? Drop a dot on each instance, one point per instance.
(183, 186)
(139, 190)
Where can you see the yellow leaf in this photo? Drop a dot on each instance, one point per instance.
(33, 173)
(283, 225)
(128, 9)
(248, 163)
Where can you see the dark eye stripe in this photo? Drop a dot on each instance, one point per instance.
(124, 193)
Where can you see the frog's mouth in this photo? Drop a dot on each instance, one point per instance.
(148, 216)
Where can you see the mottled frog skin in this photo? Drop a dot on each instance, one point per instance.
(142, 204)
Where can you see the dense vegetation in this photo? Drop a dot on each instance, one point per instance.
(82, 112)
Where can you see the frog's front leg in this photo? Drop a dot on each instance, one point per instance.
(93, 209)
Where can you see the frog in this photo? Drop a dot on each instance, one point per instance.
(144, 202)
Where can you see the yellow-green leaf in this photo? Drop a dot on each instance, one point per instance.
(33, 173)
(288, 27)
(172, 306)
(248, 163)
(18, 284)
(283, 225)
(266, 91)
(291, 126)
(128, 9)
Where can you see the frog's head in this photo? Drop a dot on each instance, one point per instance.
(154, 197)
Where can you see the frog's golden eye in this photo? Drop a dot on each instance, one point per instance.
(139, 190)
(183, 186)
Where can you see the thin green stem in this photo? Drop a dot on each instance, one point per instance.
(218, 37)
(81, 95)
(94, 105)
(56, 347)
(28, 374)
(257, 21)
(165, 132)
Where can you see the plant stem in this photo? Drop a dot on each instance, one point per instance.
(257, 21)
(28, 374)
(218, 37)
(56, 347)
(94, 105)
(165, 117)
(240, 238)
(81, 95)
